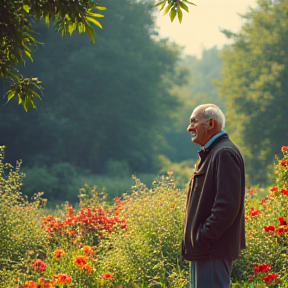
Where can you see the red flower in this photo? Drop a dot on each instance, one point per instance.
(106, 276)
(88, 249)
(263, 201)
(62, 279)
(269, 277)
(59, 252)
(270, 228)
(284, 191)
(39, 265)
(282, 221)
(284, 162)
(281, 230)
(80, 260)
(30, 284)
(262, 267)
(273, 189)
(253, 211)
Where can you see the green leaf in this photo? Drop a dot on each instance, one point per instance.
(172, 14)
(90, 31)
(10, 94)
(28, 54)
(26, 8)
(96, 15)
(180, 15)
(100, 8)
(28, 103)
(184, 6)
(167, 9)
(162, 2)
(163, 5)
(47, 20)
(97, 23)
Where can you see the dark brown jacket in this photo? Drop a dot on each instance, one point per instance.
(214, 222)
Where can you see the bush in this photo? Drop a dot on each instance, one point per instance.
(265, 259)
(58, 182)
(20, 232)
(147, 253)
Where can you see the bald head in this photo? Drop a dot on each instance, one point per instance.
(211, 111)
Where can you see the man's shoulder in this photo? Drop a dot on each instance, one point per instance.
(225, 145)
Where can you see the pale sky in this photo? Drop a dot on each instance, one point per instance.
(200, 28)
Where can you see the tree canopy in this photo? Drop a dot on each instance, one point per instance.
(255, 85)
(105, 102)
(18, 42)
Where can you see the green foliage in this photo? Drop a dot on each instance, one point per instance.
(20, 230)
(254, 85)
(18, 41)
(175, 7)
(133, 241)
(148, 253)
(267, 232)
(58, 182)
(105, 102)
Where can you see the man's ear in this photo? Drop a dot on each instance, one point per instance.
(211, 124)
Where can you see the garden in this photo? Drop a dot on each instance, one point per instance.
(132, 241)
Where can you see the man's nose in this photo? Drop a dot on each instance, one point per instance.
(189, 128)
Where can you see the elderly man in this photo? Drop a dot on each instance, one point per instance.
(213, 233)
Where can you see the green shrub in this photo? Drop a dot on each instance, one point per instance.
(147, 253)
(267, 233)
(20, 232)
(58, 182)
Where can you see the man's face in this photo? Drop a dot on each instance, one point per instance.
(198, 127)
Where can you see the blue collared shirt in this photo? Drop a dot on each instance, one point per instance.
(213, 138)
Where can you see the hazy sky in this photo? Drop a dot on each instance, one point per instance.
(200, 28)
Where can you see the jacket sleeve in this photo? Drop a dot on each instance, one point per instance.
(228, 173)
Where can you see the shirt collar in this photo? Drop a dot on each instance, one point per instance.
(213, 138)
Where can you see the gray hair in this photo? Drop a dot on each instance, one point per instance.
(216, 114)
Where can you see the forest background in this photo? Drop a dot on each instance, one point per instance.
(121, 106)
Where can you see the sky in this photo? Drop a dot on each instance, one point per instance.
(200, 28)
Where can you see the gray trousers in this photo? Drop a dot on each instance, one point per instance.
(210, 273)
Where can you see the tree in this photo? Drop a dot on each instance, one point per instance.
(18, 42)
(105, 102)
(199, 88)
(255, 85)
(17, 37)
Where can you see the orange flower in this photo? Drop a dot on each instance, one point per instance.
(45, 283)
(88, 250)
(117, 200)
(106, 276)
(169, 172)
(81, 260)
(30, 284)
(59, 252)
(284, 148)
(62, 279)
(39, 265)
(88, 268)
